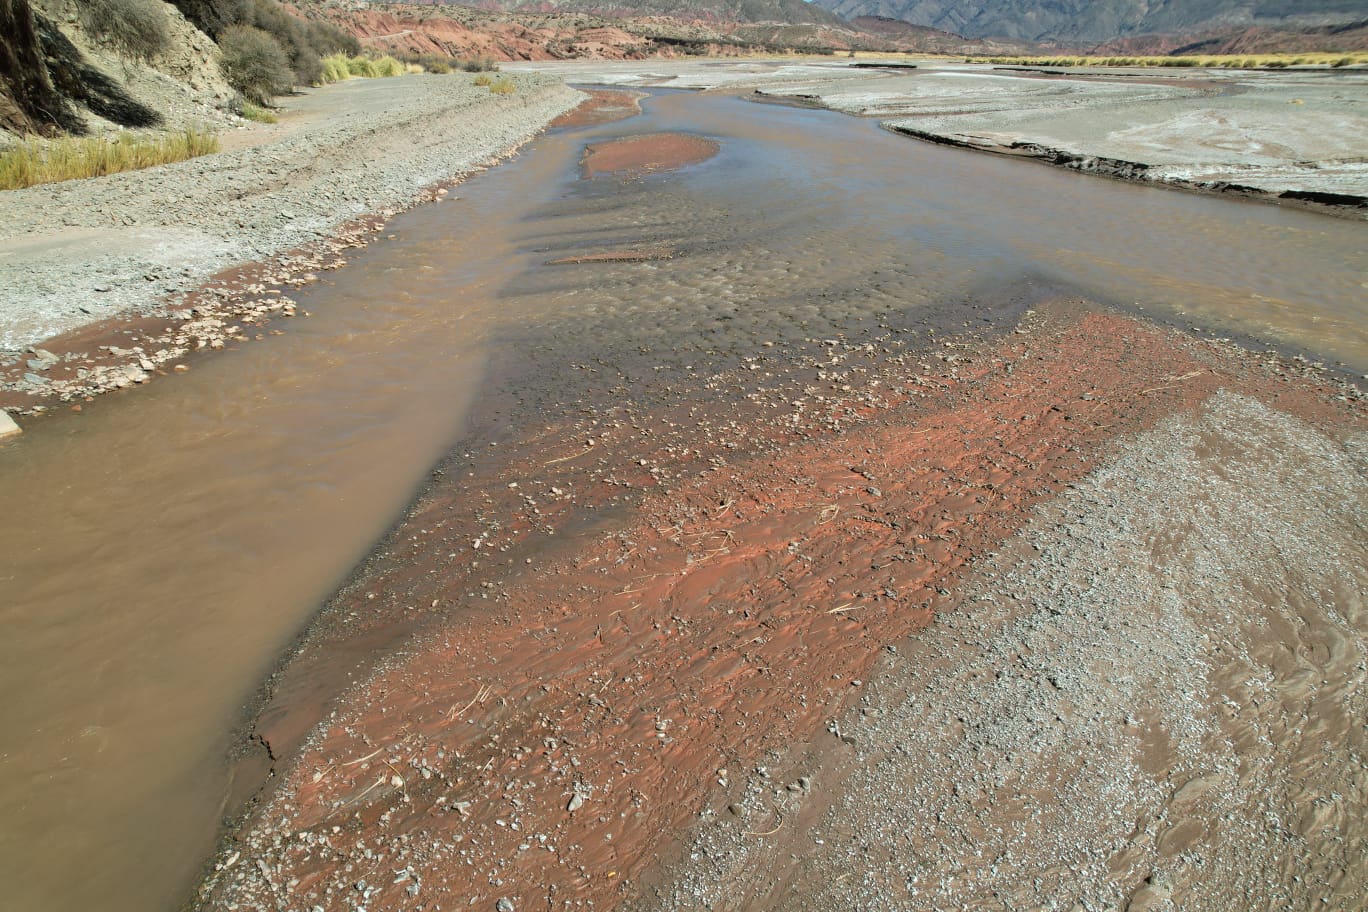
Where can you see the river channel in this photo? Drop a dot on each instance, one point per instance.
(160, 549)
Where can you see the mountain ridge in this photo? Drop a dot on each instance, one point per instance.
(1096, 21)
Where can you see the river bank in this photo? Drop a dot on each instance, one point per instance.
(113, 279)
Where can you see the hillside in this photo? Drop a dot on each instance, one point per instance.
(1095, 21)
(788, 11)
(562, 30)
(1252, 39)
(57, 75)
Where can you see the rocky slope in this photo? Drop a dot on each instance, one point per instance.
(616, 34)
(60, 77)
(1095, 20)
(792, 11)
(1254, 39)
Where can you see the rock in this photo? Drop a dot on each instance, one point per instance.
(504, 905)
(7, 426)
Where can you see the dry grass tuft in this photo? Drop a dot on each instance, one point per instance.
(45, 162)
(258, 113)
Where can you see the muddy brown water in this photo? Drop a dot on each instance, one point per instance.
(161, 548)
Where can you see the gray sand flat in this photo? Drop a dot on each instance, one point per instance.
(1273, 132)
(1151, 698)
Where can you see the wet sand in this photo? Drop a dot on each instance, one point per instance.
(647, 154)
(572, 714)
(602, 106)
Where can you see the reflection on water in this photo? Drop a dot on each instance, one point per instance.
(157, 551)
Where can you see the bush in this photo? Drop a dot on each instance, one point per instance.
(335, 69)
(484, 80)
(135, 29)
(361, 66)
(480, 65)
(326, 38)
(255, 63)
(388, 66)
(431, 63)
(503, 87)
(258, 113)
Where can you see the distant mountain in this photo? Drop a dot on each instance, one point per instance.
(1093, 21)
(786, 11)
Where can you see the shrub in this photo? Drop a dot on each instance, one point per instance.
(484, 64)
(326, 38)
(32, 163)
(135, 29)
(361, 66)
(388, 66)
(503, 87)
(335, 69)
(484, 79)
(255, 63)
(258, 113)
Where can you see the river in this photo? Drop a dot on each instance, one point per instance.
(160, 549)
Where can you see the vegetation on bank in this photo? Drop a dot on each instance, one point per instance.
(135, 29)
(436, 63)
(501, 86)
(70, 158)
(258, 113)
(1224, 61)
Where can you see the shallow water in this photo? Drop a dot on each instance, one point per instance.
(159, 550)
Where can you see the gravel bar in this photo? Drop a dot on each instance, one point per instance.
(82, 251)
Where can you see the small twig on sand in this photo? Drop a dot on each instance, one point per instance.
(480, 696)
(1174, 381)
(378, 782)
(777, 827)
(848, 606)
(363, 759)
(570, 457)
(403, 783)
(828, 514)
